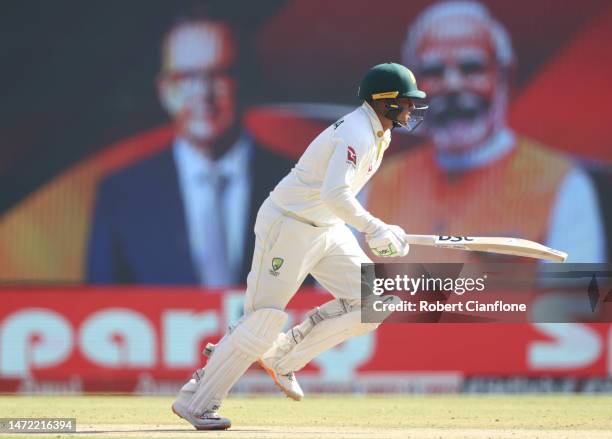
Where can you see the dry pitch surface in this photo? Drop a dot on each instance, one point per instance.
(422, 417)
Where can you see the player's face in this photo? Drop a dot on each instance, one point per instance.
(197, 88)
(459, 73)
(407, 106)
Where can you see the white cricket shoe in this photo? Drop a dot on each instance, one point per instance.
(287, 383)
(208, 421)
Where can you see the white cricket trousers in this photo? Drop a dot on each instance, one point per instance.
(286, 250)
(331, 254)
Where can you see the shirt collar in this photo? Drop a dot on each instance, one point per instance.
(193, 164)
(377, 127)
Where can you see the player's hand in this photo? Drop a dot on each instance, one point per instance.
(400, 234)
(387, 240)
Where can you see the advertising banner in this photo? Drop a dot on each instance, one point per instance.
(149, 341)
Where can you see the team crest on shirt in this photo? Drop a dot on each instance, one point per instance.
(351, 156)
(277, 263)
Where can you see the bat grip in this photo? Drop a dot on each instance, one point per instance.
(421, 239)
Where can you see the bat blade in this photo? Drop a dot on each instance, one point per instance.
(507, 246)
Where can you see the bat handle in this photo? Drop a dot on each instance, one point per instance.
(421, 239)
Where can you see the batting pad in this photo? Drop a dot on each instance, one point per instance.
(325, 327)
(233, 356)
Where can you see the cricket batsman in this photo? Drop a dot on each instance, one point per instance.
(301, 228)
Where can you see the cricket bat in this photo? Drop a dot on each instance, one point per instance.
(507, 246)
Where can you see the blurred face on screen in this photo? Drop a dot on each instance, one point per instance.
(459, 72)
(196, 86)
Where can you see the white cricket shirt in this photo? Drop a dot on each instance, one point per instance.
(322, 186)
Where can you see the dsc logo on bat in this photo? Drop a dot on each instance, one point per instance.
(454, 239)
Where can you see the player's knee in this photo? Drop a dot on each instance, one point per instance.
(350, 311)
(353, 304)
(377, 318)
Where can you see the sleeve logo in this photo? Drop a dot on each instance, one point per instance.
(351, 156)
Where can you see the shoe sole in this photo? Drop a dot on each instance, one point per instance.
(220, 427)
(283, 389)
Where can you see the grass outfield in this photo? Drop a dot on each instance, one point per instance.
(456, 416)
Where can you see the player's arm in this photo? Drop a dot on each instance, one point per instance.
(385, 240)
(336, 189)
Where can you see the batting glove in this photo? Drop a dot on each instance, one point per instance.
(386, 240)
